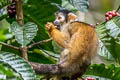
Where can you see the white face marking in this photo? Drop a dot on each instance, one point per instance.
(60, 18)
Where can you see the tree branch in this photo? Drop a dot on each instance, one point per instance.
(19, 12)
(20, 20)
(24, 52)
(11, 46)
(118, 8)
(38, 43)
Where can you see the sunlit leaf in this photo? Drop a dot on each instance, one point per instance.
(4, 3)
(66, 4)
(109, 35)
(81, 5)
(24, 34)
(18, 64)
(110, 72)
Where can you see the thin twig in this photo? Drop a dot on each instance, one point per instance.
(11, 46)
(46, 53)
(118, 8)
(38, 43)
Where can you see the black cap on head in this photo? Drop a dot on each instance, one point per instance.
(65, 11)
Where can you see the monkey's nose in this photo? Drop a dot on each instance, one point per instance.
(56, 23)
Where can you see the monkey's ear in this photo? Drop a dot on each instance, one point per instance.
(71, 17)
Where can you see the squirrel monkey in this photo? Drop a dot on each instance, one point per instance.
(78, 39)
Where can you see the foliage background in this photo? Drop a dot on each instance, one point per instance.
(42, 11)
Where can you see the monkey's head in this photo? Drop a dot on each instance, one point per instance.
(63, 17)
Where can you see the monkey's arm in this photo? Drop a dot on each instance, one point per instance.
(59, 37)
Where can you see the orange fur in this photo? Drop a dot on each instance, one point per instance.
(80, 43)
(72, 17)
(82, 46)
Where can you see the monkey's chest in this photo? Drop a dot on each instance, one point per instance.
(66, 33)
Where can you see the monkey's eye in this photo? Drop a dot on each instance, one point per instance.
(59, 17)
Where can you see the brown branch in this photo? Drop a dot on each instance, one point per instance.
(24, 52)
(19, 12)
(11, 46)
(38, 43)
(20, 20)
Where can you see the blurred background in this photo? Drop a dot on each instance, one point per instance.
(98, 8)
(42, 11)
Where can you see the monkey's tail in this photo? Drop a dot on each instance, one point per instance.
(54, 69)
(49, 69)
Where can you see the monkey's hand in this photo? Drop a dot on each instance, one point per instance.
(59, 37)
(50, 26)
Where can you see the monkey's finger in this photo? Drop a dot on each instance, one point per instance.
(47, 27)
(56, 27)
(49, 22)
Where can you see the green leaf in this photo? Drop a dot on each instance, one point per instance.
(18, 64)
(40, 12)
(24, 34)
(114, 27)
(110, 72)
(4, 3)
(49, 54)
(109, 35)
(103, 51)
(66, 4)
(81, 5)
(35, 11)
(46, 57)
(5, 71)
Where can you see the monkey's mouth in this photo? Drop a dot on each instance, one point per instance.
(57, 26)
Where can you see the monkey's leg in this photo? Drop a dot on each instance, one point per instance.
(83, 69)
(65, 78)
(63, 65)
(58, 77)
